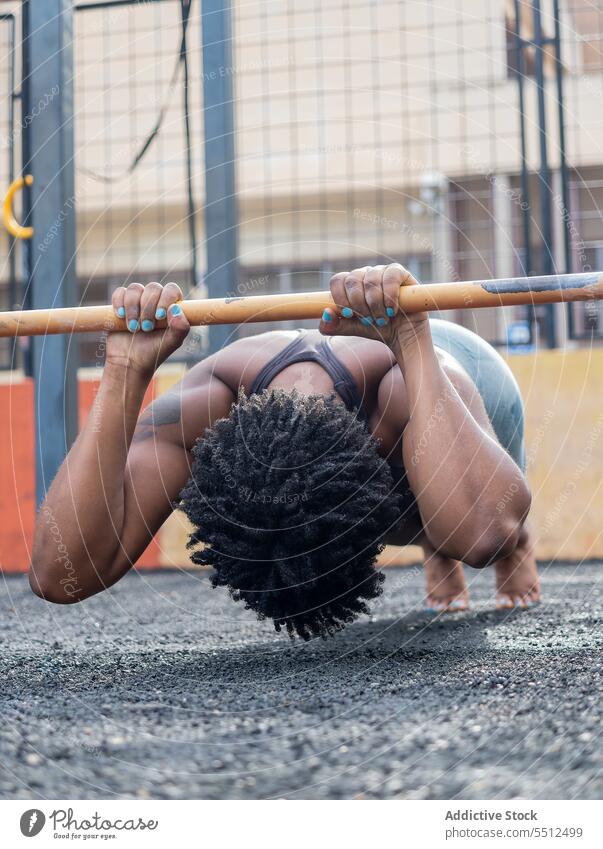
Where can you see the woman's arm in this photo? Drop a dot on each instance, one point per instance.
(456, 468)
(116, 486)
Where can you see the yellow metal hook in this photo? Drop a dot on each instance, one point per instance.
(10, 222)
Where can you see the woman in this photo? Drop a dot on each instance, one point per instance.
(296, 456)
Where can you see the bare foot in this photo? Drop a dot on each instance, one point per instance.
(446, 586)
(517, 581)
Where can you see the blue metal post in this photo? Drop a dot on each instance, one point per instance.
(48, 156)
(548, 266)
(221, 224)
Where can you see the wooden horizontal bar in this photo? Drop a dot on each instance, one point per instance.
(476, 294)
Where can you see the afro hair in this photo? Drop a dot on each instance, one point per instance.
(290, 501)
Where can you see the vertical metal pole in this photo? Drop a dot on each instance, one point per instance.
(48, 155)
(567, 244)
(221, 224)
(185, 10)
(525, 180)
(526, 205)
(25, 158)
(12, 246)
(563, 172)
(544, 171)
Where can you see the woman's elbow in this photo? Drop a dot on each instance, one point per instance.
(496, 543)
(502, 533)
(491, 542)
(493, 537)
(51, 589)
(487, 551)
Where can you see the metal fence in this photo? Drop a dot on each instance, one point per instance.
(365, 135)
(365, 132)
(373, 132)
(138, 136)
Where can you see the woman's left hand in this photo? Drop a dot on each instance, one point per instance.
(367, 304)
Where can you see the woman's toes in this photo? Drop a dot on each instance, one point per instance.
(504, 602)
(458, 604)
(517, 581)
(510, 602)
(446, 586)
(434, 605)
(534, 594)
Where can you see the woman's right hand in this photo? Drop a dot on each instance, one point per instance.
(143, 347)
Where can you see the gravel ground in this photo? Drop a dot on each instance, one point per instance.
(163, 688)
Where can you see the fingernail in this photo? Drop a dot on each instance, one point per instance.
(121, 312)
(132, 325)
(456, 604)
(147, 325)
(176, 309)
(366, 319)
(347, 312)
(326, 316)
(161, 313)
(381, 322)
(390, 312)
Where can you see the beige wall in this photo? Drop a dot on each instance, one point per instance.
(564, 444)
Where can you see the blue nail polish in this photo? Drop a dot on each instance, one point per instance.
(161, 313)
(121, 312)
(347, 312)
(132, 325)
(390, 312)
(366, 319)
(381, 322)
(176, 309)
(326, 316)
(148, 325)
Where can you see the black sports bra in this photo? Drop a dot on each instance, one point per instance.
(303, 350)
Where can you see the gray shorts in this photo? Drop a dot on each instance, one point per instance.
(494, 381)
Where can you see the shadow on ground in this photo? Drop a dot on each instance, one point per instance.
(163, 688)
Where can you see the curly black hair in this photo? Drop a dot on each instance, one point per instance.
(290, 501)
